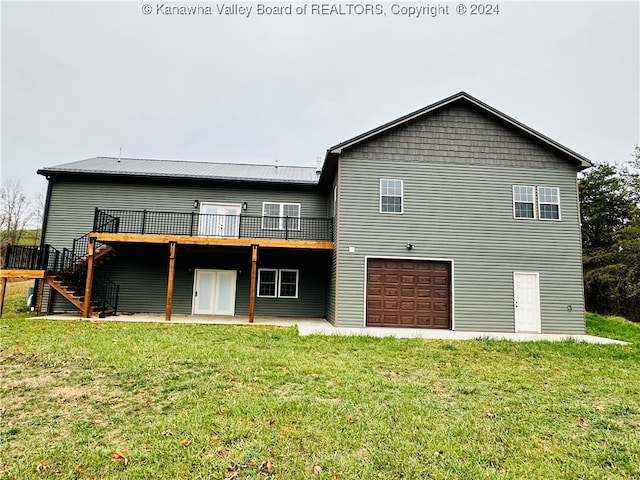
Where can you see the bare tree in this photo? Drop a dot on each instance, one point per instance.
(16, 212)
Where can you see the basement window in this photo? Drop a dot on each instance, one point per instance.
(267, 282)
(274, 283)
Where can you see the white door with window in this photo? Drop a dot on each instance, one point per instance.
(526, 297)
(219, 220)
(214, 292)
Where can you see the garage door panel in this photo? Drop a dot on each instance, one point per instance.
(390, 291)
(374, 304)
(440, 292)
(408, 293)
(390, 304)
(441, 321)
(407, 320)
(440, 307)
(407, 305)
(391, 278)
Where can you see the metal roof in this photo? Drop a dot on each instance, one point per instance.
(136, 167)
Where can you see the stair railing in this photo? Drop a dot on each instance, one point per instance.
(71, 266)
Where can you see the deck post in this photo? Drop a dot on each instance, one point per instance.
(252, 288)
(3, 289)
(89, 285)
(172, 271)
(51, 297)
(40, 296)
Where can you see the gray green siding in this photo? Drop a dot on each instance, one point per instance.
(458, 169)
(142, 271)
(142, 275)
(72, 203)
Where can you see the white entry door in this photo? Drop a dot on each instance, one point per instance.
(214, 292)
(219, 220)
(526, 296)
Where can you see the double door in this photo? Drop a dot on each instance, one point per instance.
(214, 292)
(219, 220)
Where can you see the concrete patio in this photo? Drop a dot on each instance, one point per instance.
(319, 326)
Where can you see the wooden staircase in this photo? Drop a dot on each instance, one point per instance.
(67, 272)
(74, 291)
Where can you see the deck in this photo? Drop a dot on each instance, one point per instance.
(191, 228)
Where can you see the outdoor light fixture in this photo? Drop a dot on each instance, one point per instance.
(244, 205)
(409, 246)
(196, 203)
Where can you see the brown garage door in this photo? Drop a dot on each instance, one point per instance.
(408, 293)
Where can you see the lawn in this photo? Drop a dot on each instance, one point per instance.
(100, 400)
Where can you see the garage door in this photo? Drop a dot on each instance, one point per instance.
(408, 293)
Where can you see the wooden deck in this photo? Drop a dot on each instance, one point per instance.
(221, 241)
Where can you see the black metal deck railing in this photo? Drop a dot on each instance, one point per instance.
(69, 265)
(208, 225)
(23, 257)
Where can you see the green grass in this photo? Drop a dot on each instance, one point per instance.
(200, 402)
(27, 237)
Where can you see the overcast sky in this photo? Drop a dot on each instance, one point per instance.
(84, 79)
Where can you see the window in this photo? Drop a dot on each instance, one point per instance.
(288, 284)
(267, 282)
(390, 196)
(280, 216)
(523, 202)
(276, 283)
(549, 203)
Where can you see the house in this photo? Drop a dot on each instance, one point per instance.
(455, 216)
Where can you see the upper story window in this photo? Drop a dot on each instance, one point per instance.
(549, 203)
(391, 196)
(524, 201)
(527, 197)
(280, 216)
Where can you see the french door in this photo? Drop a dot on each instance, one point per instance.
(214, 292)
(219, 220)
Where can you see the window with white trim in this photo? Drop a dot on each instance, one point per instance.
(280, 216)
(278, 283)
(533, 202)
(549, 203)
(267, 282)
(524, 201)
(391, 196)
(288, 284)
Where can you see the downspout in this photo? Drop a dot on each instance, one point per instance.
(43, 230)
(45, 217)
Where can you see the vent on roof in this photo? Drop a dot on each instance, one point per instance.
(318, 165)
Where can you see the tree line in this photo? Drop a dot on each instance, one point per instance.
(610, 214)
(19, 214)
